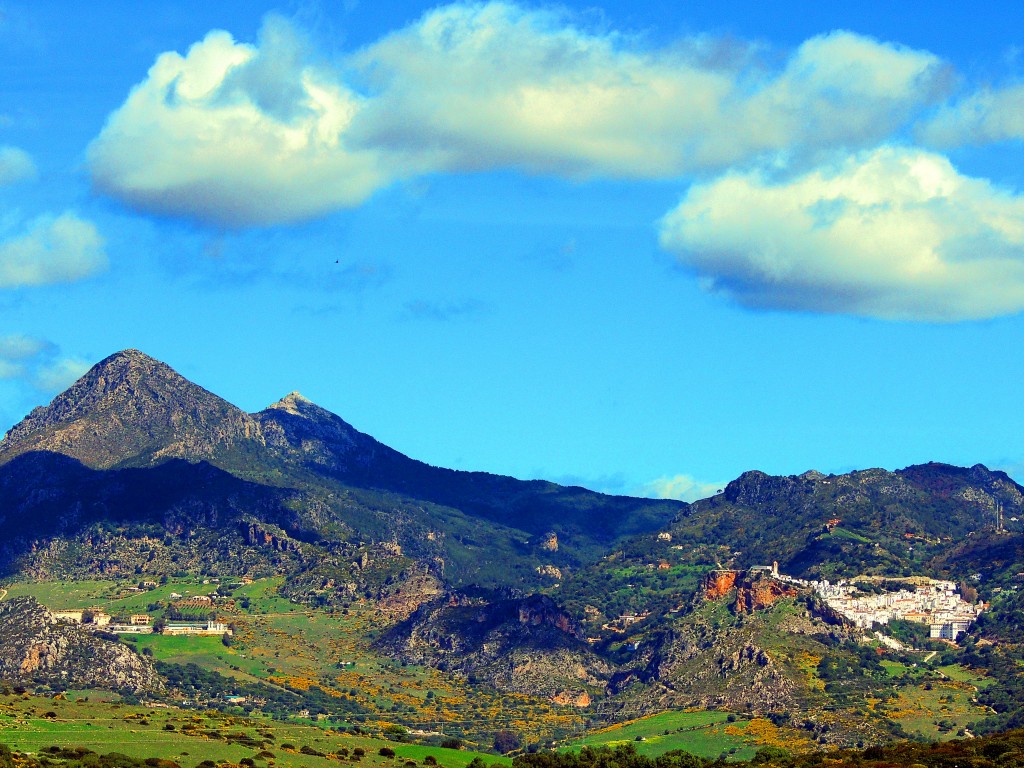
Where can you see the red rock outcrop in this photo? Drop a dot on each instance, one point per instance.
(761, 593)
(718, 583)
(754, 592)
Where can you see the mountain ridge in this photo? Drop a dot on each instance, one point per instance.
(325, 478)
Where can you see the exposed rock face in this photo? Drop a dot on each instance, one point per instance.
(565, 698)
(754, 592)
(551, 571)
(549, 543)
(516, 644)
(696, 666)
(35, 650)
(718, 583)
(414, 588)
(258, 535)
(758, 594)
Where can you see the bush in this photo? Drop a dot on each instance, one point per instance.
(386, 752)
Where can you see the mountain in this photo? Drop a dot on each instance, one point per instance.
(866, 521)
(130, 410)
(132, 440)
(524, 645)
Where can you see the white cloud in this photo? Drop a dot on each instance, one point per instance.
(893, 233)
(496, 85)
(988, 115)
(15, 165)
(11, 370)
(60, 374)
(51, 249)
(680, 487)
(20, 347)
(38, 363)
(237, 135)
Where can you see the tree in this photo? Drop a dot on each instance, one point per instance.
(506, 741)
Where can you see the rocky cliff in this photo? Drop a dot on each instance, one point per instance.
(754, 591)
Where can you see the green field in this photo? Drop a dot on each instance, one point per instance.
(32, 723)
(962, 674)
(113, 596)
(701, 733)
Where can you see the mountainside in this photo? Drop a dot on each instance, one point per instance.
(524, 645)
(134, 441)
(132, 410)
(862, 522)
(35, 650)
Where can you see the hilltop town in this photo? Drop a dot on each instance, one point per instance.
(934, 602)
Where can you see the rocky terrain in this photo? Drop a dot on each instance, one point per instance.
(819, 525)
(523, 645)
(36, 651)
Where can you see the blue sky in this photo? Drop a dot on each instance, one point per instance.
(641, 247)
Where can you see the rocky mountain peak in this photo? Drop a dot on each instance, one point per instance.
(130, 409)
(303, 430)
(293, 403)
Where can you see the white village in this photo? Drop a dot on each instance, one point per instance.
(934, 602)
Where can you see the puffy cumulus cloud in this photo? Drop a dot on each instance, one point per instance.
(891, 233)
(481, 86)
(680, 487)
(236, 135)
(989, 115)
(233, 134)
(38, 363)
(15, 165)
(50, 249)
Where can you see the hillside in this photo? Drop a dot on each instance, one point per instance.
(133, 441)
(36, 651)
